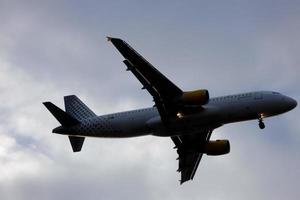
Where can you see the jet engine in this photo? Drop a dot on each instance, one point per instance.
(216, 148)
(195, 98)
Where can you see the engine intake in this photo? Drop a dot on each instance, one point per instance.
(197, 97)
(216, 148)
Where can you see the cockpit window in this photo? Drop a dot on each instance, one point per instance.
(275, 93)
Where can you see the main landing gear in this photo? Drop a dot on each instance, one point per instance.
(261, 124)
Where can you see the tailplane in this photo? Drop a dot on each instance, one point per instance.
(76, 111)
(76, 143)
(64, 118)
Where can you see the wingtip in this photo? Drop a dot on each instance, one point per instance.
(111, 39)
(46, 103)
(108, 38)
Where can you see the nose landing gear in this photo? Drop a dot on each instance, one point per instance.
(261, 124)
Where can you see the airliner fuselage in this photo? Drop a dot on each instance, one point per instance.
(219, 111)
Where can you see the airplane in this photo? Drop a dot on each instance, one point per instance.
(187, 117)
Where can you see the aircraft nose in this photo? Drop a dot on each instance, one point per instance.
(292, 103)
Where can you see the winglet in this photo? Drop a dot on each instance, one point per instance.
(114, 40)
(108, 38)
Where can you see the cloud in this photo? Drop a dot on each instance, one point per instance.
(53, 49)
(31, 157)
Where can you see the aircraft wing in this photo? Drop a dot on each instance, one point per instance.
(189, 157)
(160, 87)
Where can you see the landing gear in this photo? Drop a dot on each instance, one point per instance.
(261, 124)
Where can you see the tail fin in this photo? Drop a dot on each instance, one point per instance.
(77, 109)
(64, 118)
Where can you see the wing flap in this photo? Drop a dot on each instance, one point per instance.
(160, 87)
(190, 165)
(147, 85)
(189, 157)
(150, 73)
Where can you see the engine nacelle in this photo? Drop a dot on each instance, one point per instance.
(197, 97)
(216, 148)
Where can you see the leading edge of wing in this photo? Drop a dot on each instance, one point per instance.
(159, 86)
(150, 73)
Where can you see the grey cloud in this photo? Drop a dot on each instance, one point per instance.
(50, 49)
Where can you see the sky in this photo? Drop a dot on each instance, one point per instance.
(49, 49)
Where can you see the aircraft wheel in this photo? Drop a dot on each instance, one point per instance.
(261, 125)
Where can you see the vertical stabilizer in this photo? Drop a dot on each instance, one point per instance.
(77, 109)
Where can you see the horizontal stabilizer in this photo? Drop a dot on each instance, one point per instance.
(76, 143)
(64, 118)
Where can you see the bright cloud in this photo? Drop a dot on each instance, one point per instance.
(51, 49)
